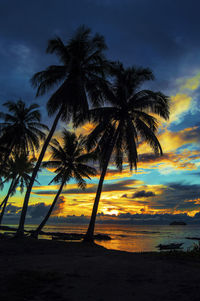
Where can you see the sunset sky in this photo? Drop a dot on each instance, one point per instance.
(161, 35)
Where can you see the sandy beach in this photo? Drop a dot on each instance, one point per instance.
(52, 270)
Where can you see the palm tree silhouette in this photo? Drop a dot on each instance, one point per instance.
(21, 130)
(17, 171)
(120, 125)
(69, 161)
(80, 74)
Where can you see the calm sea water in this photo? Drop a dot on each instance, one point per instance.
(136, 238)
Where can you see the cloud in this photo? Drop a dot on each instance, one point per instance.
(172, 204)
(180, 105)
(191, 83)
(143, 194)
(38, 210)
(170, 198)
(172, 140)
(12, 210)
(122, 218)
(177, 198)
(139, 194)
(118, 186)
(185, 160)
(158, 219)
(59, 207)
(124, 195)
(170, 40)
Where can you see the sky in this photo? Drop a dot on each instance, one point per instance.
(161, 35)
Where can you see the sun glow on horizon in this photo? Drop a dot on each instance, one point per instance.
(110, 211)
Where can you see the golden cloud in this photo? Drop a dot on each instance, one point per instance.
(171, 141)
(186, 160)
(85, 129)
(191, 83)
(180, 104)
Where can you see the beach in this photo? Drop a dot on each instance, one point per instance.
(53, 270)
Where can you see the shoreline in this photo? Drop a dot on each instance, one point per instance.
(53, 235)
(130, 239)
(56, 270)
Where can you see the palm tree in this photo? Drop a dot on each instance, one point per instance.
(21, 130)
(69, 161)
(80, 74)
(17, 170)
(120, 125)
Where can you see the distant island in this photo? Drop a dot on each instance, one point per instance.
(175, 223)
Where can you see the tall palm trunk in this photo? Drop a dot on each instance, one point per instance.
(39, 228)
(6, 198)
(90, 231)
(20, 231)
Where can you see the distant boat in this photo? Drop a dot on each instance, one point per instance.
(171, 246)
(175, 223)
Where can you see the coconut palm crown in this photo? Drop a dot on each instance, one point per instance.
(128, 119)
(69, 160)
(21, 130)
(81, 71)
(17, 171)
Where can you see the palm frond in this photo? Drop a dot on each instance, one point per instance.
(131, 147)
(149, 120)
(149, 101)
(80, 181)
(21, 130)
(69, 158)
(148, 135)
(57, 46)
(47, 79)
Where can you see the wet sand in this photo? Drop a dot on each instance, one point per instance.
(52, 270)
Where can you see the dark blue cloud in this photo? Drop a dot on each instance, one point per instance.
(178, 196)
(143, 193)
(140, 194)
(123, 218)
(36, 211)
(118, 186)
(163, 35)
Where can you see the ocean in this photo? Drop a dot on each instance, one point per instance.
(135, 238)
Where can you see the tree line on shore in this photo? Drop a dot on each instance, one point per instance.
(88, 88)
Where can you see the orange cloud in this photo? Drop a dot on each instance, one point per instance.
(85, 129)
(171, 141)
(180, 161)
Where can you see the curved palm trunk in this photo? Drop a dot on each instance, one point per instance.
(2, 203)
(90, 231)
(20, 231)
(6, 199)
(39, 228)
